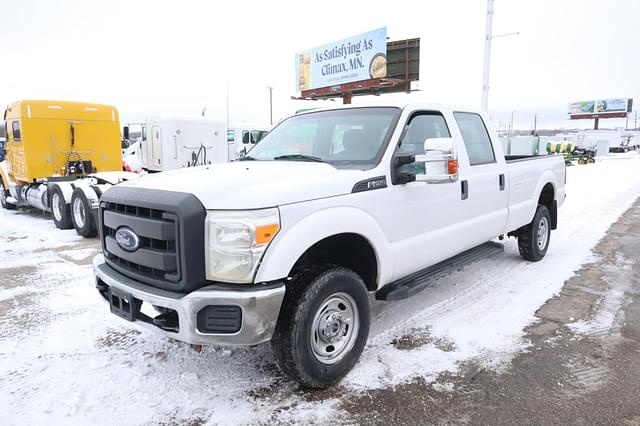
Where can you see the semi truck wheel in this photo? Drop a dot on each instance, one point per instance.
(323, 326)
(533, 240)
(60, 210)
(3, 198)
(82, 215)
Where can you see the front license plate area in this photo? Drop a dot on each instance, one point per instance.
(123, 304)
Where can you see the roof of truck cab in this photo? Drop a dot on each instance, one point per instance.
(397, 104)
(62, 110)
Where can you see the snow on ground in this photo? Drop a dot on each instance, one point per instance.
(64, 359)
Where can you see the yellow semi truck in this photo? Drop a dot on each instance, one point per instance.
(60, 157)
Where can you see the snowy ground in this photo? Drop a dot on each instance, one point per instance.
(64, 359)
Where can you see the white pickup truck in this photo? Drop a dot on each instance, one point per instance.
(330, 206)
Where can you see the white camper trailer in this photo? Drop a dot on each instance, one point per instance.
(172, 142)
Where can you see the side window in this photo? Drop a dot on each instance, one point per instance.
(231, 135)
(261, 135)
(421, 126)
(15, 127)
(245, 136)
(476, 138)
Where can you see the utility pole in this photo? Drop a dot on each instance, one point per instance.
(487, 56)
(635, 121)
(270, 104)
(513, 113)
(535, 123)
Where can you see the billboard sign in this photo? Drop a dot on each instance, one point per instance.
(357, 58)
(601, 107)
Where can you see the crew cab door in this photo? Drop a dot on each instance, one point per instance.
(422, 220)
(483, 179)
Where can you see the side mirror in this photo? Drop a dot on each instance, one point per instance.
(440, 160)
(125, 132)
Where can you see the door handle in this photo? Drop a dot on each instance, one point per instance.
(464, 187)
(501, 181)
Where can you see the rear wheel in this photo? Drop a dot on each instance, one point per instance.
(60, 210)
(533, 239)
(82, 215)
(323, 326)
(4, 193)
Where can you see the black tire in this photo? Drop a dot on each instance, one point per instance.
(4, 193)
(62, 216)
(82, 215)
(533, 239)
(292, 344)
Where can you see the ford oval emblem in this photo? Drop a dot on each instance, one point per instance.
(127, 239)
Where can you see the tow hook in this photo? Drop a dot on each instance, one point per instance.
(167, 321)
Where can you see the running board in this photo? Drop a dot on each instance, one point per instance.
(413, 284)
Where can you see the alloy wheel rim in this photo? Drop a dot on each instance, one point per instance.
(334, 329)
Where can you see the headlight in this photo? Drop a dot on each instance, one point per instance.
(235, 242)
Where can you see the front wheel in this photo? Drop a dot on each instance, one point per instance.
(533, 239)
(3, 198)
(323, 326)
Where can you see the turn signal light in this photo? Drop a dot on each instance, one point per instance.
(452, 167)
(265, 233)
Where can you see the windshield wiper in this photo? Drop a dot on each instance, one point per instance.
(247, 158)
(299, 157)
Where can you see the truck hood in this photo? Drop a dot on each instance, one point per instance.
(254, 184)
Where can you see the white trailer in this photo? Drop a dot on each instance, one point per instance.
(173, 142)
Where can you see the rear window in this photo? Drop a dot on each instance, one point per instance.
(476, 138)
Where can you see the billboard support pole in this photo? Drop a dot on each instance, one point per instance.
(346, 98)
(595, 124)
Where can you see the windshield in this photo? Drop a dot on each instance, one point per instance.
(345, 138)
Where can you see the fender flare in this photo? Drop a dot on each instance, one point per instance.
(90, 193)
(288, 246)
(65, 187)
(547, 177)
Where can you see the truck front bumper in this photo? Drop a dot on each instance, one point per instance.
(259, 307)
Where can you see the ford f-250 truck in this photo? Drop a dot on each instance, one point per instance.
(330, 206)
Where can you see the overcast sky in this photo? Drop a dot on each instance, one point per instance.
(148, 57)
